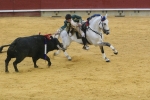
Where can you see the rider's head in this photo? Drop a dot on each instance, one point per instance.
(68, 17)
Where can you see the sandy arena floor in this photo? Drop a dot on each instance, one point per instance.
(87, 76)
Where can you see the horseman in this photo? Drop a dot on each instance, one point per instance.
(74, 23)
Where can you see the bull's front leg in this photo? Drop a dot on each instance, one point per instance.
(48, 60)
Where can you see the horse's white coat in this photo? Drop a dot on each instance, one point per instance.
(93, 34)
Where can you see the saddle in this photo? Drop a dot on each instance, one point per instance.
(83, 28)
(73, 31)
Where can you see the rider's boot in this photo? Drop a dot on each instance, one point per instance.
(85, 47)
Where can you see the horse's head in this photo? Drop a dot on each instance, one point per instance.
(104, 24)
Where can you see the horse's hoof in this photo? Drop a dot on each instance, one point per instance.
(107, 60)
(69, 59)
(35, 66)
(115, 53)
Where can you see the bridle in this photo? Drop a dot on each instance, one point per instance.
(103, 18)
(95, 31)
(101, 22)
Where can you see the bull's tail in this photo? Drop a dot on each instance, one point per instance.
(1, 48)
(11, 45)
(12, 48)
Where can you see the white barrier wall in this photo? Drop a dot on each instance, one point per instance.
(84, 12)
(110, 12)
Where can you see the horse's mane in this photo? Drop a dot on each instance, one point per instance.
(95, 17)
(94, 20)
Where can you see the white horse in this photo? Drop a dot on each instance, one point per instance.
(94, 36)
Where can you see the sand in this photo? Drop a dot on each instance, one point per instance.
(87, 76)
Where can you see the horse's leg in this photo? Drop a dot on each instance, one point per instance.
(67, 55)
(66, 42)
(102, 50)
(103, 54)
(109, 45)
(56, 53)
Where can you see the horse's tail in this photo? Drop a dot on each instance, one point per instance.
(1, 48)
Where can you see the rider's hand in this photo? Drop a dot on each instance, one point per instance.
(58, 31)
(79, 24)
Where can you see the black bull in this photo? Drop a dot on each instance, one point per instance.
(32, 46)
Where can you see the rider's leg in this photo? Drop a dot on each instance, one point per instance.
(86, 47)
(84, 43)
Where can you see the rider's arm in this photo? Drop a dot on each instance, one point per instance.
(77, 17)
(64, 26)
(74, 24)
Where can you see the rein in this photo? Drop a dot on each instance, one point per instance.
(95, 31)
(102, 19)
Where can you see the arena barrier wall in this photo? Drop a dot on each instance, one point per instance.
(57, 8)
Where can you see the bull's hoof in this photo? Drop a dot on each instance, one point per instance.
(16, 71)
(36, 66)
(6, 71)
(49, 64)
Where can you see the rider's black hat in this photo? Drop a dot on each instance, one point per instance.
(68, 16)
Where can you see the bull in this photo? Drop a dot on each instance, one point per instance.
(36, 46)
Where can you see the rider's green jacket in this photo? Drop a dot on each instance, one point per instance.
(75, 18)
